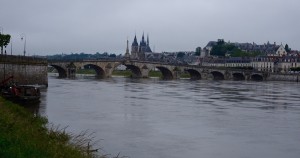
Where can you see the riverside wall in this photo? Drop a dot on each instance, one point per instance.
(25, 70)
(284, 77)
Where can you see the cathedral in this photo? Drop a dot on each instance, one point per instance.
(138, 50)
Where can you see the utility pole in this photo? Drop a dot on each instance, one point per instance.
(4, 75)
(10, 47)
(23, 37)
(1, 32)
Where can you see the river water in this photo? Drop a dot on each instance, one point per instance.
(153, 118)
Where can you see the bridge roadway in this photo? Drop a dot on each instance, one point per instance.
(141, 69)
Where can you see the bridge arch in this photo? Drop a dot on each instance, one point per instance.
(136, 71)
(62, 73)
(257, 77)
(238, 76)
(217, 75)
(166, 73)
(195, 75)
(100, 73)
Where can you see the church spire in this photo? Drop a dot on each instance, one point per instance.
(147, 39)
(135, 43)
(143, 39)
(127, 49)
(135, 40)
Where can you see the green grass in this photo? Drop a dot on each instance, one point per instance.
(125, 73)
(24, 135)
(86, 71)
(155, 74)
(185, 75)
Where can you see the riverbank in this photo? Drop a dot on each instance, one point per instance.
(24, 135)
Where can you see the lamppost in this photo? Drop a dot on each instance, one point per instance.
(1, 32)
(23, 37)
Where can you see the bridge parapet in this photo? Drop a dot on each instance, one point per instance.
(22, 60)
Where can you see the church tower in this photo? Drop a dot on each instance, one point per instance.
(138, 51)
(143, 45)
(134, 48)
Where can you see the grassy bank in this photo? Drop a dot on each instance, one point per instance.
(24, 135)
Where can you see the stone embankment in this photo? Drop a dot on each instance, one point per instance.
(284, 77)
(25, 70)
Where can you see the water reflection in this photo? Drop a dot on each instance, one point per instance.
(39, 107)
(180, 118)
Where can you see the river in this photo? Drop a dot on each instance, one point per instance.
(153, 118)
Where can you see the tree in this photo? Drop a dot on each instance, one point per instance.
(4, 40)
(180, 55)
(198, 51)
(220, 42)
(112, 55)
(219, 49)
(287, 49)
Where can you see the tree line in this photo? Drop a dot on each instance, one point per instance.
(222, 49)
(82, 56)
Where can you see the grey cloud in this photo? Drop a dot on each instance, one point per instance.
(53, 26)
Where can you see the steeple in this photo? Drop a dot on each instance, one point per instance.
(143, 39)
(135, 43)
(135, 40)
(127, 49)
(148, 40)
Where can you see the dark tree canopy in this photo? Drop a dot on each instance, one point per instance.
(220, 48)
(287, 48)
(113, 55)
(220, 42)
(81, 56)
(4, 40)
(198, 51)
(180, 55)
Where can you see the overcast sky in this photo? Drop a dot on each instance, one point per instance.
(90, 26)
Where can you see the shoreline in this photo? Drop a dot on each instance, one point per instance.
(281, 77)
(23, 134)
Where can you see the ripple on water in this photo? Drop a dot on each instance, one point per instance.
(142, 117)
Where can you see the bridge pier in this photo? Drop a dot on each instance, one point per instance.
(71, 70)
(108, 73)
(247, 76)
(176, 74)
(145, 72)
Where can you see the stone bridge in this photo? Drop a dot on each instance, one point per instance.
(141, 69)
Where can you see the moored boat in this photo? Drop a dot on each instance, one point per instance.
(20, 93)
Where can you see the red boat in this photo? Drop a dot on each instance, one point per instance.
(19, 93)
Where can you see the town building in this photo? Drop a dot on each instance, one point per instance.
(205, 52)
(266, 49)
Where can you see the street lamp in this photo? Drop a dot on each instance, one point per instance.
(1, 32)
(23, 37)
